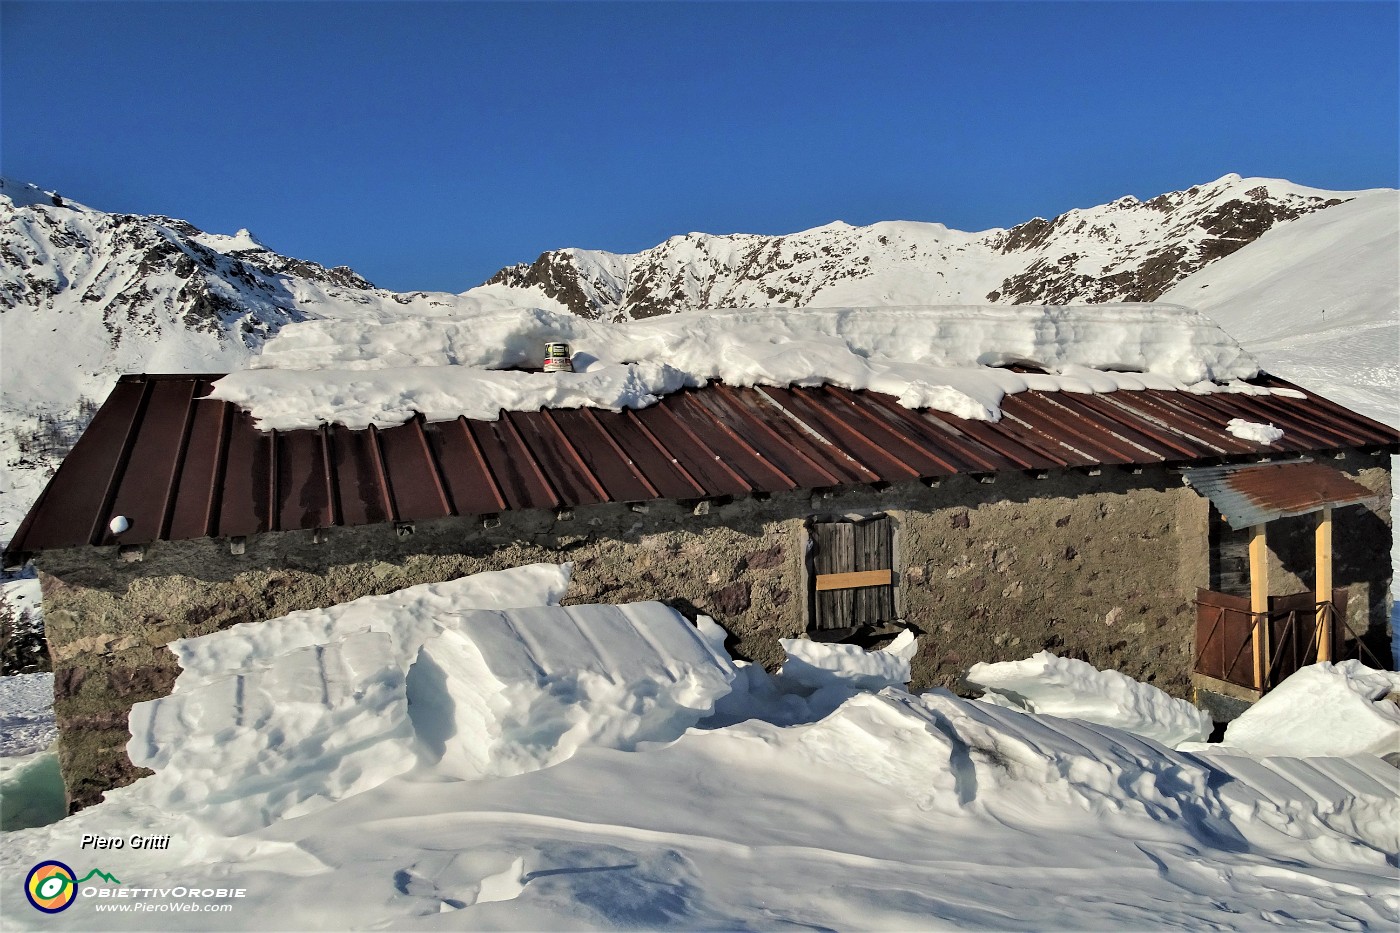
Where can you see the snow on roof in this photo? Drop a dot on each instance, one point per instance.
(359, 373)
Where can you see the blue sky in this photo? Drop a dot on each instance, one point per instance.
(429, 144)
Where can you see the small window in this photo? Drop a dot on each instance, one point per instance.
(853, 577)
(1229, 557)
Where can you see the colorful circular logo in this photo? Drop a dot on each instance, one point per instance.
(51, 887)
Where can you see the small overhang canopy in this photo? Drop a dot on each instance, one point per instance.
(1253, 495)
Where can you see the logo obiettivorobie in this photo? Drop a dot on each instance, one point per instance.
(52, 886)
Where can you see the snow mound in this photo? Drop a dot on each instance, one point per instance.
(1323, 710)
(511, 692)
(1254, 431)
(285, 717)
(817, 665)
(363, 372)
(1071, 689)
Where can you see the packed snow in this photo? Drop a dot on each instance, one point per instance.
(1072, 689)
(359, 373)
(26, 714)
(388, 680)
(857, 806)
(1325, 709)
(1254, 431)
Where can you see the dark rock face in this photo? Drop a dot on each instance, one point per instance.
(1234, 224)
(554, 274)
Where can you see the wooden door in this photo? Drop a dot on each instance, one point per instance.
(853, 585)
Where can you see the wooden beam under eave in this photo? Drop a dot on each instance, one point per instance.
(1323, 539)
(1259, 603)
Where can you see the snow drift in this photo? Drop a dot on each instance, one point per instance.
(1323, 709)
(425, 759)
(359, 373)
(281, 718)
(1071, 689)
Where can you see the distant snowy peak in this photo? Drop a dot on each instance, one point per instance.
(1127, 250)
(1131, 250)
(111, 292)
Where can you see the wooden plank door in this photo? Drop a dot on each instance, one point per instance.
(854, 568)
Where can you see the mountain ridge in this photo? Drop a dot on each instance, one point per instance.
(1126, 250)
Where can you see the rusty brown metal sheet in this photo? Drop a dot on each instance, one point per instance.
(808, 406)
(604, 459)
(359, 491)
(412, 477)
(1189, 415)
(829, 459)
(798, 466)
(729, 445)
(1249, 495)
(913, 441)
(73, 509)
(470, 485)
(193, 514)
(700, 461)
(181, 466)
(247, 490)
(557, 458)
(517, 475)
(1139, 446)
(660, 468)
(1358, 429)
(147, 480)
(303, 497)
(1097, 446)
(1170, 446)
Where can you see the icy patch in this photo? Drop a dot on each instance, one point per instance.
(26, 713)
(31, 791)
(360, 372)
(1254, 431)
(1071, 689)
(1323, 709)
(283, 718)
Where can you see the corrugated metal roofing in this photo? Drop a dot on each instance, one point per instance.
(1252, 495)
(180, 466)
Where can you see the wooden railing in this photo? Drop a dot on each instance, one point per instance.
(1233, 644)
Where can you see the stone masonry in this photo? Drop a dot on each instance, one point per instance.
(1101, 567)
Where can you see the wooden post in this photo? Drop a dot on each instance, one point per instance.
(1323, 538)
(1259, 604)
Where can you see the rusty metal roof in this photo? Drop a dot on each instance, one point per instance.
(178, 465)
(1252, 495)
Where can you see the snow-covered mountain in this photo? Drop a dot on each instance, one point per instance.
(1317, 301)
(1128, 250)
(86, 295)
(110, 293)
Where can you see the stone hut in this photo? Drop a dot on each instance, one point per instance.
(1082, 524)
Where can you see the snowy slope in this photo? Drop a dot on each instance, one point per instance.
(1317, 301)
(1128, 250)
(836, 809)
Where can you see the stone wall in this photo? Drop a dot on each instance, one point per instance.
(1098, 567)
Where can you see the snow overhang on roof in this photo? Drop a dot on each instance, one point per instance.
(1254, 495)
(177, 464)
